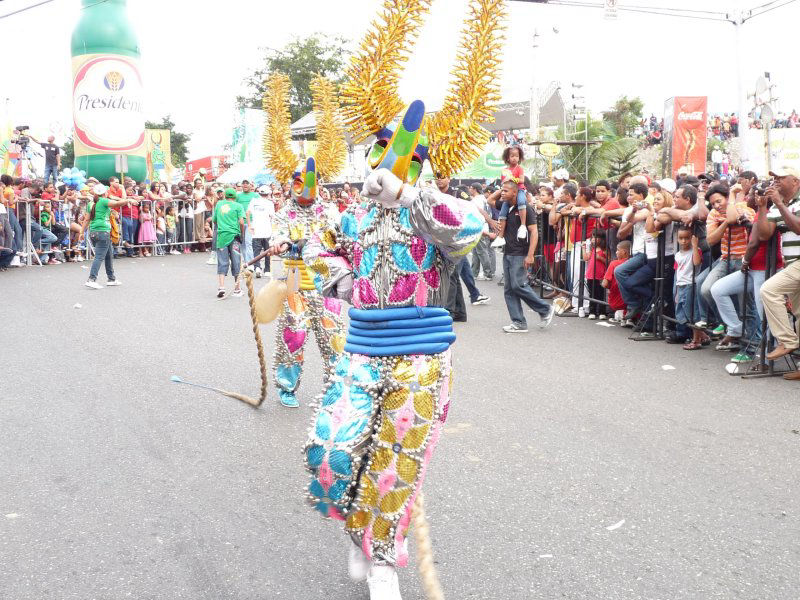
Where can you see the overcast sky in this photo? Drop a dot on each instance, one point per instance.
(196, 53)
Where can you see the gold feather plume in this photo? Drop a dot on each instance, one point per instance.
(454, 132)
(369, 96)
(331, 148)
(277, 132)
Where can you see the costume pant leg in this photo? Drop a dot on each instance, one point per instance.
(291, 334)
(326, 320)
(372, 481)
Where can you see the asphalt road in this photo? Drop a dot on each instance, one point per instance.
(572, 466)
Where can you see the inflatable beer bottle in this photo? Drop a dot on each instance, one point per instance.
(107, 91)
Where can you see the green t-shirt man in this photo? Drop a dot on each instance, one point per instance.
(102, 216)
(244, 199)
(228, 215)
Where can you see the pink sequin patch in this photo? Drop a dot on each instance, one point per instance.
(325, 476)
(292, 214)
(333, 305)
(404, 420)
(386, 482)
(334, 513)
(443, 214)
(294, 339)
(404, 288)
(357, 254)
(418, 250)
(432, 278)
(422, 293)
(366, 294)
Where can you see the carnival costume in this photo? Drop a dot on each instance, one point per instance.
(386, 400)
(305, 309)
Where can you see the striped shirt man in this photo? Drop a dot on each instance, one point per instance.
(790, 241)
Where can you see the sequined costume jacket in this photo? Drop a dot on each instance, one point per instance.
(399, 255)
(380, 417)
(305, 310)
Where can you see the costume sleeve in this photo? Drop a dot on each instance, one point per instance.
(280, 228)
(451, 224)
(328, 255)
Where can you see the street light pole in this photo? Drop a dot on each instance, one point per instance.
(738, 21)
(534, 108)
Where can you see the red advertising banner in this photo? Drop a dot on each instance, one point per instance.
(689, 130)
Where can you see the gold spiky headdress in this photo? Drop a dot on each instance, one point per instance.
(277, 130)
(370, 99)
(331, 147)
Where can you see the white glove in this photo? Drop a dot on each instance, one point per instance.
(387, 189)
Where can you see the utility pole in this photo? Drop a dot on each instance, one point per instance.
(738, 21)
(534, 108)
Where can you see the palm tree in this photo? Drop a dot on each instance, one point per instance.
(600, 152)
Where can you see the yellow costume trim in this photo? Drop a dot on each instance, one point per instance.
(306, 281)
(331, 148)
(455, 133)
(277, 133)
(369, 95)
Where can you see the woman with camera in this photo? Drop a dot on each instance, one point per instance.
(98, 221)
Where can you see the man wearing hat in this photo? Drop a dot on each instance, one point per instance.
(229, 219)
(784, 216)
(560, 177)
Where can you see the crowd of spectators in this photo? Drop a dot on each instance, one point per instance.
(700, 261)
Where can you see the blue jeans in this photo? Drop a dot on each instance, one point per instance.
(48, 171)
(708, 308)
(247, 249)
(103, 252)
(129, 233)
(465, 271)
(229, 255)
(624, 272)
(516, 290)
(729, 287)
(46, 240)
(684, 314)
(15, 227)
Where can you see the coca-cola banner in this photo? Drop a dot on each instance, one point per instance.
(689, 129)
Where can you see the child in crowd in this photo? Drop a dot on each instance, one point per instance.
(147, 233)
(615, 301)
(169, 218)
(687, 266)
(512, 157)
(161, 231)
(594, 255)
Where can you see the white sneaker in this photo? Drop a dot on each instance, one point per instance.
(546, 320)
(174, 252)
(383, 583)
(94, 285)
(498, 242)
(80, 258)
(113, 283)
(15, 262)
(522, 232)
(481, 300)
(258, 272)
(602, 317)
(592, 317)
(237, 293)
(514, 328)
(358, 565)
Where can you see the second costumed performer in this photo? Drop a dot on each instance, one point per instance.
(387, 398)
(305, 308)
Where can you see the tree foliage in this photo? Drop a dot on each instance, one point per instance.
(599, 153)
(300, 60)
(623, 158)
(625, 115)
(178, 142)
(68, 154)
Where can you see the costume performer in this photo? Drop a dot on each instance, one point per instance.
(385, 403)
(305, 309)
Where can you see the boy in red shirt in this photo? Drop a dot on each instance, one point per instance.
(615, 300)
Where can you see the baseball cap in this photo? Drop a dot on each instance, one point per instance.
(99, 189)
(264, 190)
(230, 193)
(667, 184)
(561, 174)
(708, 177)
(785, 170)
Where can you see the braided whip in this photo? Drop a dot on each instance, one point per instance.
(422, 535)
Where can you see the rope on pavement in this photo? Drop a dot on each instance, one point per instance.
(422, 535)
